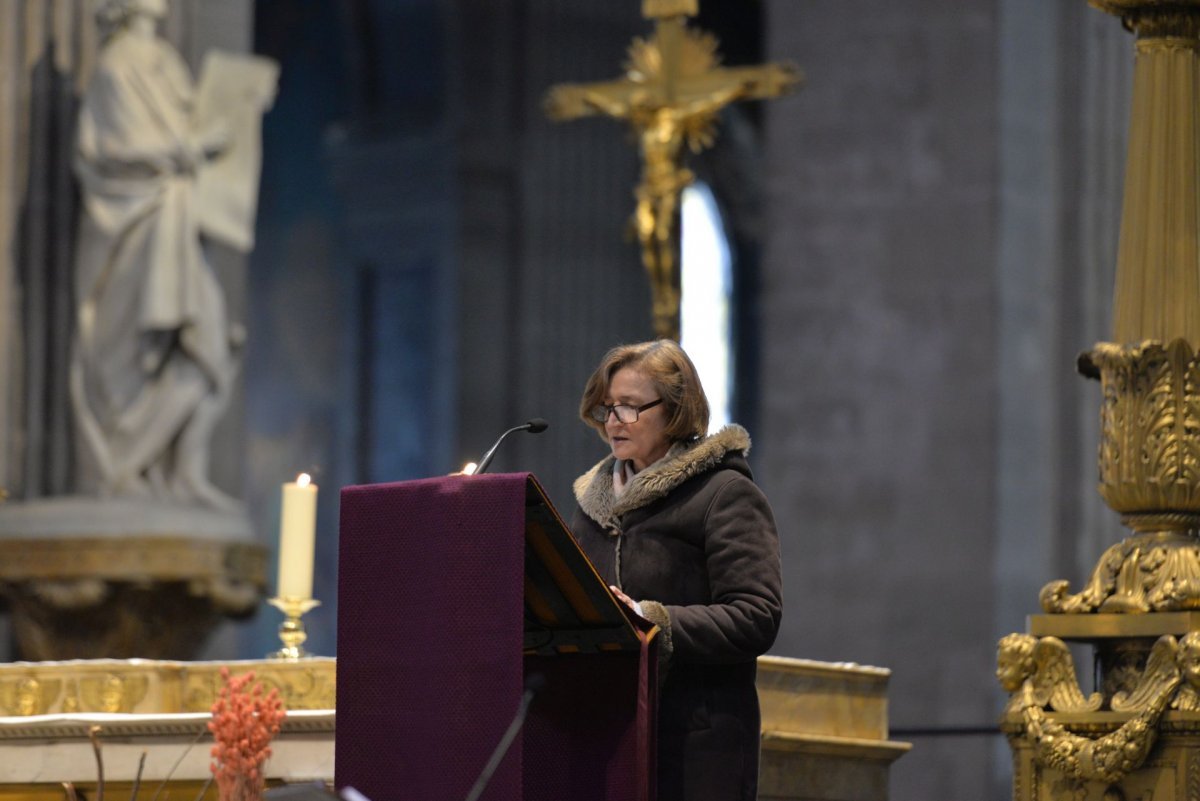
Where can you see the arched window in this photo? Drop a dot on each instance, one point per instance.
(706, 313)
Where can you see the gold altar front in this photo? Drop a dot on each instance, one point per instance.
(824, 726)
(160, 709)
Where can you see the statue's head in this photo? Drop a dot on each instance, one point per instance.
(1014, 661)
(1188, 658)
(114, 14)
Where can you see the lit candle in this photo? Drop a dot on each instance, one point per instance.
(297, 535)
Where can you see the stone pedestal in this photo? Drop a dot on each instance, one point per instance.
(89, 578)
(824, 731)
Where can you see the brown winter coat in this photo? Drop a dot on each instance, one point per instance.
(693, 538)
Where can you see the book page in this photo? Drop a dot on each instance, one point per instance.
(234, 92)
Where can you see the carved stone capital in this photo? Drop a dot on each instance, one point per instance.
(1149, 469)
(1149, 454)
(1156, 18)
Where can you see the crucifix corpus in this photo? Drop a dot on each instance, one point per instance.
(671, 93)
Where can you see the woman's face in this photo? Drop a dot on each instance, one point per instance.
(645, 441)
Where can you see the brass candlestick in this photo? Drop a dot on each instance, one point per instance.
(291, 630)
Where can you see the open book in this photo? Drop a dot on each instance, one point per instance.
(234, 92)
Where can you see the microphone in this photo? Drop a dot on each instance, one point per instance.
(535, 426)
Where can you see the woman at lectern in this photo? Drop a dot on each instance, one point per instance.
(673, 520)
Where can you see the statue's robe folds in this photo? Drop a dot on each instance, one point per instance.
(153, 361)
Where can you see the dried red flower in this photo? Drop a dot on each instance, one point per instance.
(244, 719)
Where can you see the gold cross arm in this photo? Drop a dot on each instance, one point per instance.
(758, 83)
(723, 85)
(568, 101)
(712, 89)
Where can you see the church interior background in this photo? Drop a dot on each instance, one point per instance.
(922, 238)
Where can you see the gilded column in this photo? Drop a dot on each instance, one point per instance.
(1149, 459)
(1135, 736)
(1158, 263)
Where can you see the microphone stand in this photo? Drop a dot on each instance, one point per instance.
(532, 685)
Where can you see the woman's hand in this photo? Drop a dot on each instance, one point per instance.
(625, 599)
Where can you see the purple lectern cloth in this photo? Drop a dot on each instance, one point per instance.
(589, 735)
(430, 621)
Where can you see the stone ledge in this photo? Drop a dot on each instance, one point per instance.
(847, 747)
(1103, 625)
(834, 699)
(45, 728)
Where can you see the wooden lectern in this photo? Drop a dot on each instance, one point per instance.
(453, 594)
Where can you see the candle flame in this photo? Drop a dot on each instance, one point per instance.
(303, 480)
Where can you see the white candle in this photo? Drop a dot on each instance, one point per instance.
(297, 535)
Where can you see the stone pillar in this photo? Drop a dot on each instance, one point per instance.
(46, 50)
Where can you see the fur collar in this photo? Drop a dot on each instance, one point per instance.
(594, 492)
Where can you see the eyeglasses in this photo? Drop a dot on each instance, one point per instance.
(624, 412)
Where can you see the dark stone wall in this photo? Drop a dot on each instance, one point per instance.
(943, 202)
(548, 282)
(877, 426)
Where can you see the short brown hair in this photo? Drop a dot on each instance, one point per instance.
(674, 377)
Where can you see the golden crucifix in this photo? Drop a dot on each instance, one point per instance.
(671, 93)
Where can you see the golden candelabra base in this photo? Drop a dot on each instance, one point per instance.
(291, 630)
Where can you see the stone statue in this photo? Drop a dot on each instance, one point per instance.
(145, 555)
(155, 355)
